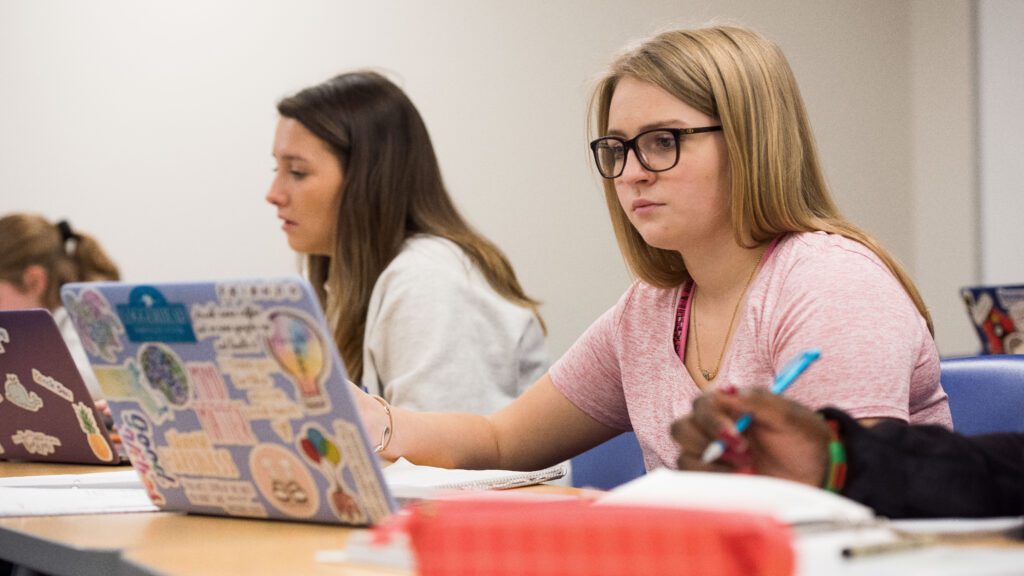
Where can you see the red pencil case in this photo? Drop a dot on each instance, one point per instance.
(566, 538)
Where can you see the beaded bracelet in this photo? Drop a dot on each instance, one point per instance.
(836, 477)
(385, 436)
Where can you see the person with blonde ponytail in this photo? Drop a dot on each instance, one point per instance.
(427, 313)
(742, 261)
(37, 257)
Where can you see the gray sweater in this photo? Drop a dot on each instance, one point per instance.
(439, 338)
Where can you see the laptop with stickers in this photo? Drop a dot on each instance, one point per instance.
(230, 398)
(46, 411)
(997, 313)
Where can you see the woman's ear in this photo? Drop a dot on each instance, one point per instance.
(34, 281)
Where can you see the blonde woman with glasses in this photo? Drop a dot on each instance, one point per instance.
(741, 260)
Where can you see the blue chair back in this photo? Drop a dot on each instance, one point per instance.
(607, 465)
(986, 393)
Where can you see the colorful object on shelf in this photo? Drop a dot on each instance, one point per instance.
(997, 313)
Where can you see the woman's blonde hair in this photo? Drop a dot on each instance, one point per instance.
(65, 254)
(391, 190)
(741, 78)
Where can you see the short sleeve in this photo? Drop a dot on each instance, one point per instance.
(590, 373)
(851, 307)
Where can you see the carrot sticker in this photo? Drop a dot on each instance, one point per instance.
(87, 421)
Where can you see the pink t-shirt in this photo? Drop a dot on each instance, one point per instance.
(813, 290)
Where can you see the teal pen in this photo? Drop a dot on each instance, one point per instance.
(789, 373)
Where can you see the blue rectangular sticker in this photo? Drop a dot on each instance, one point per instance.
(147, 317)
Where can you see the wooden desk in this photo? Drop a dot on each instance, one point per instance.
(162, 542)
(15, 469)
(63, 544)
(170, 543)
(213, 545)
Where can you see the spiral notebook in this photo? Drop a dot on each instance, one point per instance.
(410, 481)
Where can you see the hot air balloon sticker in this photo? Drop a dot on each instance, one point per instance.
(297, 348)
(322, 451)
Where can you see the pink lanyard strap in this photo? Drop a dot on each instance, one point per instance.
(682, 320)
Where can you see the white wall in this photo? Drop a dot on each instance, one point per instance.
(943, 124)
(150, 123)
(1001, 139)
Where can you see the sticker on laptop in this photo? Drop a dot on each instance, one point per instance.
(236, 497)
(323, 453)
(224, 420)
(38, 443)
(284, 481)
(52, 385)
(138, 440)
(125, 382)
(165, 373)
(98, 327)
(21, 397)
(296, 346)
(148, 317)
(87, 422)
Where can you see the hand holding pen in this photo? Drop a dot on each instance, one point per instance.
(784, 439)
(789, 373)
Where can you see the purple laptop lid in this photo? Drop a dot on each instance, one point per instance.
(46, 412)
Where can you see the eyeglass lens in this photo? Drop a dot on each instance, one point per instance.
(657, 151)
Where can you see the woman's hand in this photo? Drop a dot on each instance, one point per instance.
(103, 409)
(374, 416)
(784, 440)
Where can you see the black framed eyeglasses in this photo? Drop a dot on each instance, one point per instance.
(657, 150)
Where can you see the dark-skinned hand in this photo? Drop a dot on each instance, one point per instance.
(784, 440)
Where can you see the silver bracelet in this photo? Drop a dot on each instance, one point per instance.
(385, 437)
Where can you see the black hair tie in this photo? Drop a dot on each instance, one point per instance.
(66, 234)
(65, 231)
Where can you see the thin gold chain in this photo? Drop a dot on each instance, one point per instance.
(710, 375)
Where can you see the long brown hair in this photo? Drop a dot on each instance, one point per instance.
(744, 80)
(391, 190)
(65, 254)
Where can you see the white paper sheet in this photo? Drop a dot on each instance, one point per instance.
(126, 479)
(405, 473)
(787, 501)
(64, 501)
(122, 491)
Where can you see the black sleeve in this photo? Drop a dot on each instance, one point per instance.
(904, 471)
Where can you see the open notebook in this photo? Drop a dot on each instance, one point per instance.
(789, 502)
(231, 399)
